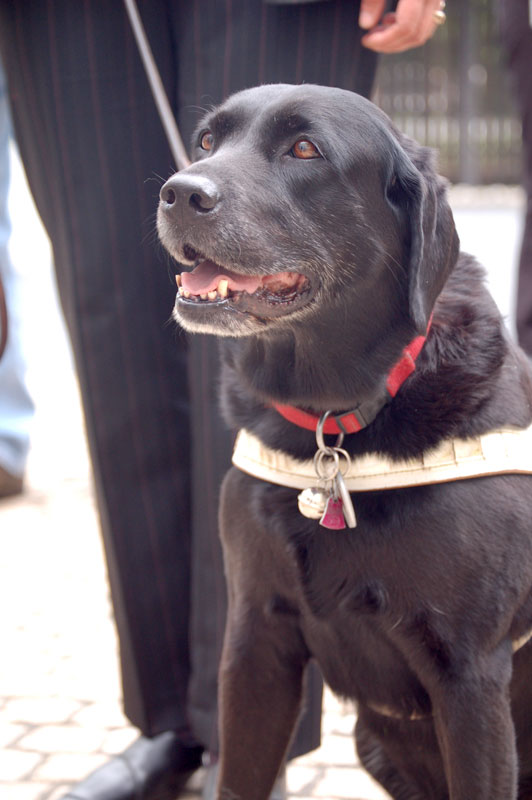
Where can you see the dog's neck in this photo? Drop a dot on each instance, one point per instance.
(335, 364)
(355, 419)
(458, 388)
(329, 365)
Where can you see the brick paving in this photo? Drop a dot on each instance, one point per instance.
(60, 713)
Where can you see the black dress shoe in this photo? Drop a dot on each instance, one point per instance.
(10, 485)
(150, 769)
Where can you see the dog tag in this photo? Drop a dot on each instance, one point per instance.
(347, 504)
(333, 516)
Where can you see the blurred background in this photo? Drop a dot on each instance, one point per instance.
(454, 94)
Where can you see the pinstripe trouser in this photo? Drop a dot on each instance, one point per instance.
(516, 34)
(95, 156)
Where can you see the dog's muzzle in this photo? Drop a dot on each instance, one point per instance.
(188, 195)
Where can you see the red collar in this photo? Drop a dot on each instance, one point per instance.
(358, 418)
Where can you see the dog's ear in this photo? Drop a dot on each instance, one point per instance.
(418, 195)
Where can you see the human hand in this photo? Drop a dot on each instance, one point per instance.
(410, 25)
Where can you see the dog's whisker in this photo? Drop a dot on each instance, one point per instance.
(397, 623)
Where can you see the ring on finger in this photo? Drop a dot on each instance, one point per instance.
(439, 16)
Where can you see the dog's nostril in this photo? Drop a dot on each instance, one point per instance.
(204, 200)
(185, 193)
(195, 200)
(168, 195)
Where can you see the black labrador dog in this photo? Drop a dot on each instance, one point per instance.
(318, 242)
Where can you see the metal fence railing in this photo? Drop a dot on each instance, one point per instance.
(455, 95)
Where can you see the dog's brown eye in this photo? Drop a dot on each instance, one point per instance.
(207, 141)
(305, 149)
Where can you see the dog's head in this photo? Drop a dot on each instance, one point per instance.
(300, 198)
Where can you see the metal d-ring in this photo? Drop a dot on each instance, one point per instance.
(332, 456)
(319, 433)
(347, 457)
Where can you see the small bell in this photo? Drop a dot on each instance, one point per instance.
(312, 502)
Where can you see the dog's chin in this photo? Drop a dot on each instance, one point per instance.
(225, 318)
(219, 323)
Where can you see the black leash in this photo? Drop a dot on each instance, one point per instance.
(159, 95)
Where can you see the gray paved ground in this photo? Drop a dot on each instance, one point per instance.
(60, 713)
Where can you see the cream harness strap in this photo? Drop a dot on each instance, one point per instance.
(508, 450)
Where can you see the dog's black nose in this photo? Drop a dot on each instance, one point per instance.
(194, 192)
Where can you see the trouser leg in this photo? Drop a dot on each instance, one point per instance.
(224, 47)
(516, 31)
(93, 149)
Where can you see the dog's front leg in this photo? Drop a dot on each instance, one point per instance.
(259, 701)
(476, 732)
(264, 654)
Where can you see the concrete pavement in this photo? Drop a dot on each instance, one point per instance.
(60, 714)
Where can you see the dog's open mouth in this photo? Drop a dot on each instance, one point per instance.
(270, 295)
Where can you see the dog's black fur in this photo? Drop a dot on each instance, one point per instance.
(414, 611)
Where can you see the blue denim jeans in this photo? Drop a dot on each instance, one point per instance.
(16, 406)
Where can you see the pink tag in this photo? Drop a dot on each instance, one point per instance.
(333, 516)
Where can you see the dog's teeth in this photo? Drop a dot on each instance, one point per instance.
(222, 287)
(186, 293)
(178, 280)
(212, 295)
(181, 291)
(203, 296)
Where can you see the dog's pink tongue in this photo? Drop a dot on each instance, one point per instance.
(206, 276)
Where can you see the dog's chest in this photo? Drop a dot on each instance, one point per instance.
(359, 663)
(352, 616)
